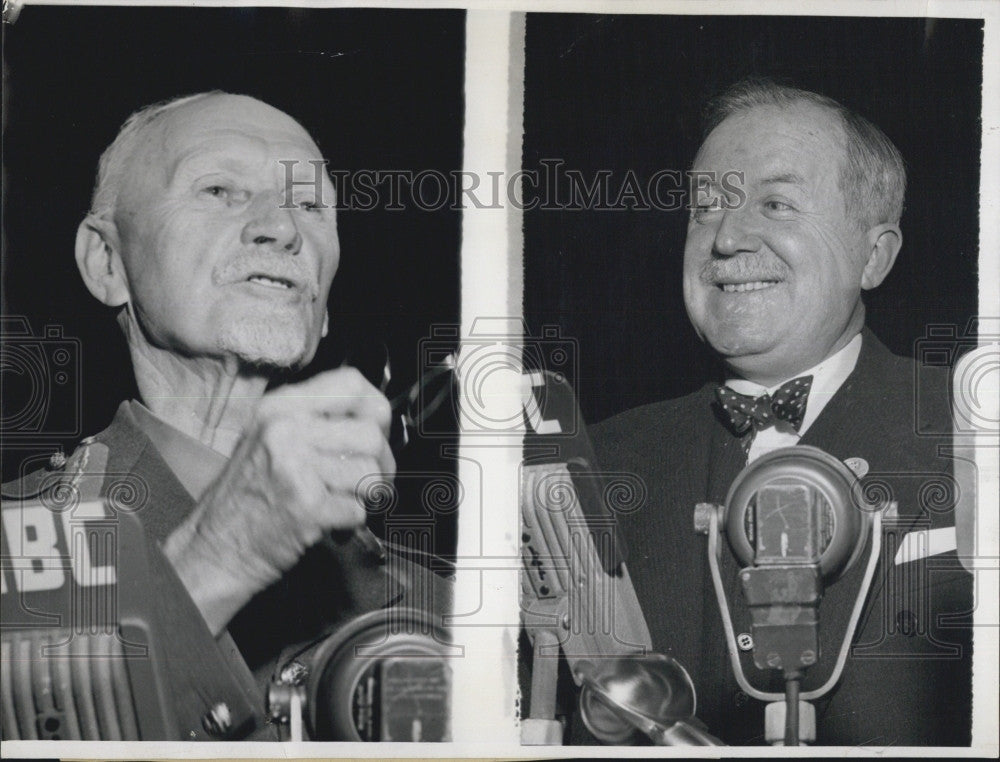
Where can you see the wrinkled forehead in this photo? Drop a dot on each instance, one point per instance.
(237, 129)
(802, 139)
(233, 114)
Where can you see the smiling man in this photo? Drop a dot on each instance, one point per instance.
(773, 282)
(220, 271)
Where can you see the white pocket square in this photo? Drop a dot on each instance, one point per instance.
(925, 543)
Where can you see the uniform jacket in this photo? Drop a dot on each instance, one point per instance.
(333, 583)
(908, 678)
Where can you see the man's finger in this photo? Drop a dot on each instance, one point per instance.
(381, 458)
(339, 392)
(348, 482)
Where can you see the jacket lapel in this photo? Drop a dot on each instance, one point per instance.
(131, 452)
(333, 582)
(850, 424)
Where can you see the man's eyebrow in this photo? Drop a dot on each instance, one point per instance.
(213, 159)
(787, 178)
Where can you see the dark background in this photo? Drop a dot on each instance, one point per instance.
(626, 92)
(377, 89)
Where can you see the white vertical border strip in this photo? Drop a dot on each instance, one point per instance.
(486, 615)
(986, 635)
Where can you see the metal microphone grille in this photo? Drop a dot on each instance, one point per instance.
(63, 685)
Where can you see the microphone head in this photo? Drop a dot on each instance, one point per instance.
(797, 505)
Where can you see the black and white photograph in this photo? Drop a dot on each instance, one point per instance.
(218, 296)
(760, 236)
(500, 379)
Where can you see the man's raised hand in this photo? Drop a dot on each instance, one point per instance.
(294, 476)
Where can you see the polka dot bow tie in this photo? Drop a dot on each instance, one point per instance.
(745, 412)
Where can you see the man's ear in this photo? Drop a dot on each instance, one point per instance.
(98, 255)
(884, 242)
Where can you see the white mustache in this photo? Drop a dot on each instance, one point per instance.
(290, 268)
(742, 269)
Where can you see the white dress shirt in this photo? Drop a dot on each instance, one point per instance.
(828, 377)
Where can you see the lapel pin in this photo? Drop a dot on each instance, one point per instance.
(858, 465)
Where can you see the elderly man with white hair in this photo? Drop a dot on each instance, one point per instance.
(220, 269)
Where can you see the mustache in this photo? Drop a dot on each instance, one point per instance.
(746, 267)
(293, 269)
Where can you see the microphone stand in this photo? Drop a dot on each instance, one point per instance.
(578, 602)
(789, 496)
(792, 708)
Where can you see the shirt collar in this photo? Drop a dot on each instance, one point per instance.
(195, 465)
(828, 376)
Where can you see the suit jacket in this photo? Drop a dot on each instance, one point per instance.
(332, 583)
(908, 677)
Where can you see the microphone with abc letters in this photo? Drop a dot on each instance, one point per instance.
(89, 650)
